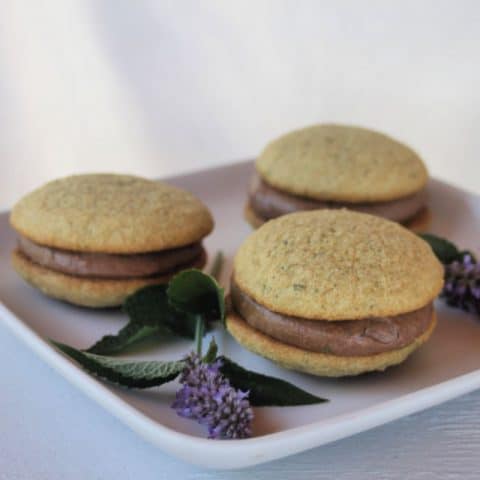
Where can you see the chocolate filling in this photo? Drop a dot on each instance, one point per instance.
(344, 338)
(103, 265)
(269, 202)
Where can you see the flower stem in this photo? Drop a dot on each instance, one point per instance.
(199, 329)
(217, 265)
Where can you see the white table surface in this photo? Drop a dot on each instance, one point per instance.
(61, 434)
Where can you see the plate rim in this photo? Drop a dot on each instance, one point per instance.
(247, 452)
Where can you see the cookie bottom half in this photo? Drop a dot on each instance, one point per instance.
(87, 291)
(320, 364)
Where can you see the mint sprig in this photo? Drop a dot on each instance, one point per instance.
(263, 389)
(128, 373)
(186, 307)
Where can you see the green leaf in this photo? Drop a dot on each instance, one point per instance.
(127, 373)
(265, 390)
(150, 306)
(211, 354)
(132, 333)
(150, 315)
(445, 251)
(196, 293)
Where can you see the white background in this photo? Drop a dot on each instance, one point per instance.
(157, 87)
(160, 87)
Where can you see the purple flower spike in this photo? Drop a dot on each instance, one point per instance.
(207, 397)
(462, 284)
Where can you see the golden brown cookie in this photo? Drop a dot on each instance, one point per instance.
(111, 214)
(372, 277)
(106, 223)
(342, 163)
(313, 362)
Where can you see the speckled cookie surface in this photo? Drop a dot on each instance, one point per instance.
(84, 291)
(342, 163)
(111, 214)
(320, 364)
(337, 265)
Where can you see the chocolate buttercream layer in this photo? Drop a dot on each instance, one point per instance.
(103, 265)
(269, 202)
(343, 338)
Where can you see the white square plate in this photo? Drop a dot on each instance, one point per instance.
(446, 367)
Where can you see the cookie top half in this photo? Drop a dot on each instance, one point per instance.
(342, 163)
(337, 265)
(111, 214)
